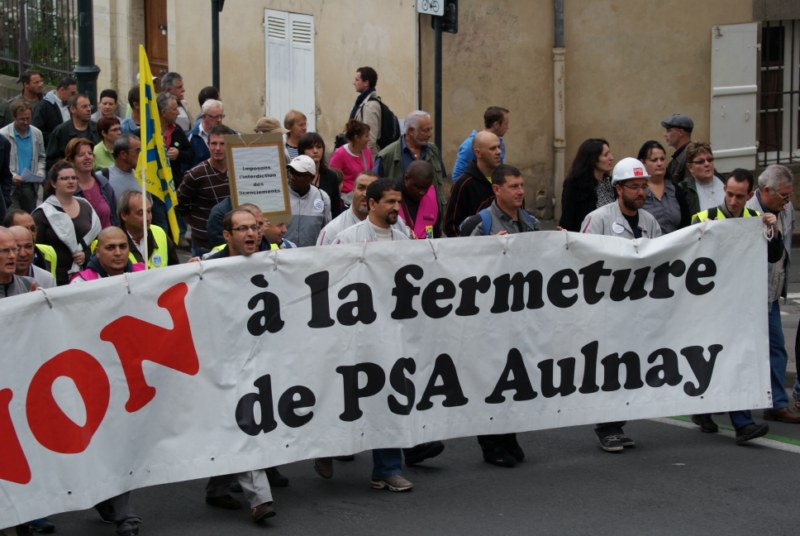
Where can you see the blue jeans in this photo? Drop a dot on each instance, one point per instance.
(740, 419)
(386, 462)
(777, 357)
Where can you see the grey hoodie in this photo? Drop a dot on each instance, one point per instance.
(52, 98)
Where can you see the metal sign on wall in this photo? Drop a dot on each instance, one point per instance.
(431, 7)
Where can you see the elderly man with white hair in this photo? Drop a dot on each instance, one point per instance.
(414, 144)
(211, 114)
(774, 196)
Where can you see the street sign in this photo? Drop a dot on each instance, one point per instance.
(431, 7)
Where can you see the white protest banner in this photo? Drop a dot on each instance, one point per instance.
(242, 363)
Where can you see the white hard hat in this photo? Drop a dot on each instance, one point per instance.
(629, 168)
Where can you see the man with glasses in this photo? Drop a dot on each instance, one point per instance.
(774, 196)
(211, 114)
(44, 256)
(242, 237)
(12, 284)
(26, 249)
(624, 218)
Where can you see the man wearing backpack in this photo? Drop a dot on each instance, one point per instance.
(367, 108)
(504, 216)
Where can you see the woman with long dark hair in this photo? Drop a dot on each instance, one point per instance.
(587, 186)
(312, 145)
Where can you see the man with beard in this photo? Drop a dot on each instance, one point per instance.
(383, 199)
(625, 219)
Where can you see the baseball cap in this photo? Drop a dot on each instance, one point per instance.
(303, 164)
(678, 121)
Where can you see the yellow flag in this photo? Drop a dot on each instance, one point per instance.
(153, 158)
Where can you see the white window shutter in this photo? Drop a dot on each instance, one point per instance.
(734, 90)
(290, 64)
(302, 66)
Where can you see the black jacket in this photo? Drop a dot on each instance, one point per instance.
(471, 193)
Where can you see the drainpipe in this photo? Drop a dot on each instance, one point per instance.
(216, 7)
(559, 112)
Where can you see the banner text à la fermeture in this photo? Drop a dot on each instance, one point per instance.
(508, 292)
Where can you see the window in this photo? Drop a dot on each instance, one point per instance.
(290, 64)
(779, 100)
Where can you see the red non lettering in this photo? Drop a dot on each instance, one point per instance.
(49, 424)
(13, 463)
(137, 341)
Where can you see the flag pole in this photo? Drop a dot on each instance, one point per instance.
(142, 162)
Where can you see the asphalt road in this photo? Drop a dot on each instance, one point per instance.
(676, 481)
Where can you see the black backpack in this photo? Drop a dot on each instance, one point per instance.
(390, 126)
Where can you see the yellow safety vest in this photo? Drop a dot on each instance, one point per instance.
(716, 214)
(159, 258)
(50, 257)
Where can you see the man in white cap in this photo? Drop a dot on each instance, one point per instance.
(311, 207)
(677, 134)
(624, 218)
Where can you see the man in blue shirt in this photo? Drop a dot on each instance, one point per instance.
(495, 120)
(27, 154)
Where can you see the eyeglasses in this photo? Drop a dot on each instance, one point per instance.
(219, 117)
(5, 252)
(635, 187)
(784, 197)
(245, 228)
(709, 159)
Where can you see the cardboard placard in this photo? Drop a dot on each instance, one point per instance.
(257, 174)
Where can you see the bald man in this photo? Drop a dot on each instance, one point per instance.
(473, 191)
(110, 257)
